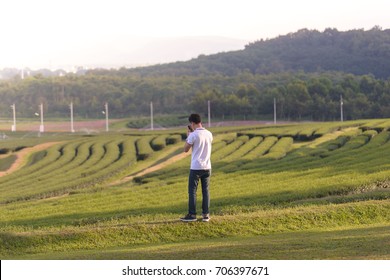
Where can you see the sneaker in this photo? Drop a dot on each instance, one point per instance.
(188, 218)
(205, 217)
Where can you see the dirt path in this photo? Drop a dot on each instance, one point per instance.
(23, 154)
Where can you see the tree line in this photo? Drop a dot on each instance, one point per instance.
(298, 95)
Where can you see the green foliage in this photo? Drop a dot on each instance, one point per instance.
(280, 149)
(245, 148)
(144, 149)
(173, 139)
(262, 148)
(6, 162)
(159, 142)
(37, 157)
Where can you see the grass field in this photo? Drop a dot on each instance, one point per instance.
(294, 191)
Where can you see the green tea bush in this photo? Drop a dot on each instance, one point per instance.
(245, 148)
(379, 140)
(144, 150)
(325, 129)
(280, 149)
(52, 154)
(357, 142)
(230, 148)
(159, 142)
(229, 137)
(370, 133)
(337, 143)
(173, 139)
(5, 163)
(306, 134)
(4, 151)
(80, 164)
(36, 157)
(262, 148)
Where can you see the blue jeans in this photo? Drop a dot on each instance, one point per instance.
(193, 181)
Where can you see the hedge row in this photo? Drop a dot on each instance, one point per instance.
(280, 149)
(75, 165)
(262, 148)
(144, 150)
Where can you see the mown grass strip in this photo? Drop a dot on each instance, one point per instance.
(349, 243)
(242, 225)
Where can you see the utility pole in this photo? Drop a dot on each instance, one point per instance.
(151, 116)
(274, 110)
(41, 127)
(71, 117)
(13, 128)
(106, 113)
(208, 112)
(341, 108)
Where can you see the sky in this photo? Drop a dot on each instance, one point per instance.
(113, 33)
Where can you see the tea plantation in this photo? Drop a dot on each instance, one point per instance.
(294, 191)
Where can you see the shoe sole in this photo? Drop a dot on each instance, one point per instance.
(187, 221)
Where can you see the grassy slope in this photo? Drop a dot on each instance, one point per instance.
(299, 207)
(364, 242)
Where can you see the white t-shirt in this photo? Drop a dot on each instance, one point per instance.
(200, 140)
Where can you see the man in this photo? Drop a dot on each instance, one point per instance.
(200, 140)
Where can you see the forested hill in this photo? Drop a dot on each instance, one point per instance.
(357, 52)
(306, 73)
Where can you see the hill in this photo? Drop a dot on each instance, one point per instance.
(145, 52)
(356, 51)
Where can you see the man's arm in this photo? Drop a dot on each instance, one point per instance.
(187, 147)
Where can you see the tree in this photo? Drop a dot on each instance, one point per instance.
(297, 98)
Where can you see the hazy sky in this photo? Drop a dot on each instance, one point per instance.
(53, 33)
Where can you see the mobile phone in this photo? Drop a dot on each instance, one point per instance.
(190, 128)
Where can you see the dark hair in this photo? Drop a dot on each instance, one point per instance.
(195, 118)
